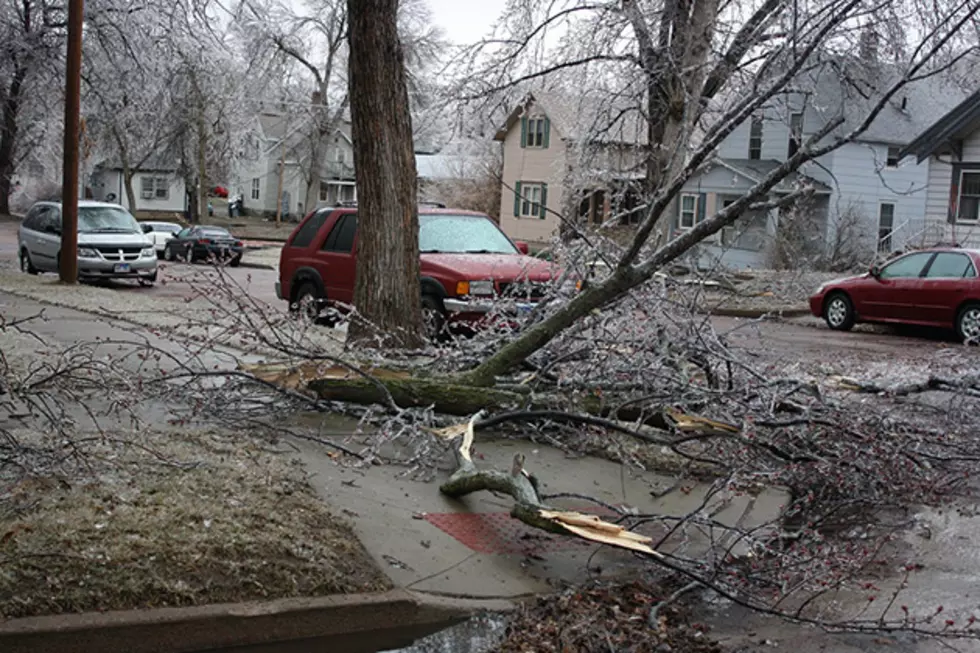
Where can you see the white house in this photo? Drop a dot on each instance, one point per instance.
(279, 139)
(157, 187)
(864, 192)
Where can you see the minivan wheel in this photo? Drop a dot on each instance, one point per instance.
(168, 253)
(25, 263)
(839, 312)
(968, 324)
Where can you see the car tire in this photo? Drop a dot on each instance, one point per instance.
(26, 265)
(168, 254)
(968, 323)
(433, 318)
(838, 312)
(235, 262)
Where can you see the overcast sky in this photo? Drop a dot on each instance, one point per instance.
(466, 21)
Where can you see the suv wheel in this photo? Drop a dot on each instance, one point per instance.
(168, 253)
(25, 263)
(311, 307)
(433, 317)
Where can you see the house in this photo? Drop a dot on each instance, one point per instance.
(567, 157)
(866, 198)
(564, 157)
(157, 188)
(951, 149)
(279, 139)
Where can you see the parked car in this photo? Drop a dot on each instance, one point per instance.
(935, 287)
(467, 262)
(160, 233)
(219, 191)
(111, 244)
(202, 242)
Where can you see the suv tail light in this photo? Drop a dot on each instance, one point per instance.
(203, 241)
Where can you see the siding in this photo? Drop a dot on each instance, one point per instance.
(860, 189)
(532, 165)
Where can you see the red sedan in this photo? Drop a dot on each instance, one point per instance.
(936, 287)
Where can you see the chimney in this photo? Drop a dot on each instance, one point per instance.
(868, 46)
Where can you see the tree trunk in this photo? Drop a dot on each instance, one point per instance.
(387, 290)
(128, 186)
(8, 136)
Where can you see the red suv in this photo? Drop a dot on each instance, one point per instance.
(933, 287)
(466, 263)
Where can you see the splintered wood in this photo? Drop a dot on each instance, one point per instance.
(296, 377)
(592, 528)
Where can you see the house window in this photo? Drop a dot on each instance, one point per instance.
(886, 226)
(341, 156)
(324, 191)
(530, 200)
(755, 138)
(689, 211)
(534, 132)
(892, 161)
(969, 200)
(795, 133)
(256, 185)
(154, 188)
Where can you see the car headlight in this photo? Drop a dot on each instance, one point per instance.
(87, 252)
(481, 288)
(148, 252)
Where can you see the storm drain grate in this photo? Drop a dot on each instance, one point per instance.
(498, 532)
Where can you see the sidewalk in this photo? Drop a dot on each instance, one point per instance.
(472, 548)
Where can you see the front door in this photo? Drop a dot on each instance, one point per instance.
(336, 260)
(893, 294)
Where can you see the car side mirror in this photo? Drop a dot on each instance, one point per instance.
(522, 247)
(875, 271)
(147, 228)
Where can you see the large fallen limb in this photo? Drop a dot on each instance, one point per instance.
(528, 507)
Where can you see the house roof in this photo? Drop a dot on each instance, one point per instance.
(595, 115)
(755, 170)
(276, 126)
(955, 125)
(849, 88)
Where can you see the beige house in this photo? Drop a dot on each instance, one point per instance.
(578, 160)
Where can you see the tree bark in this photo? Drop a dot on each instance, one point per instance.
(387, 291)
(8, 135)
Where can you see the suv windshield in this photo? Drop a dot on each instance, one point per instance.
(462, 234)
(106, 219)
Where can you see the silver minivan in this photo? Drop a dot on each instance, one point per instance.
(111, 243)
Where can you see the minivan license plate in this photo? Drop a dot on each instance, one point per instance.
(121, 267)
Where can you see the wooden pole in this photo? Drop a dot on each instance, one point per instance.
(68, 262)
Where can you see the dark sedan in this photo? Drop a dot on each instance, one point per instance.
(207, 243)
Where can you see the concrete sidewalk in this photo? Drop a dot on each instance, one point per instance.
(472, 548)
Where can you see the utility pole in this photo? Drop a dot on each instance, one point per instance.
(68, 263)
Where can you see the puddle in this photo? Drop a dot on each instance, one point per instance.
(479, 634)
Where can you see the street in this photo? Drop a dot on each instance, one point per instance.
(804, 337)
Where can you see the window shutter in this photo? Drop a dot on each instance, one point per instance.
(702, 200)
(523, 131)
(543, 209)
(547, 132)
(517, 200)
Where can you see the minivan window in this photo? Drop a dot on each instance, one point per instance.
(462, 234)
(106, 219)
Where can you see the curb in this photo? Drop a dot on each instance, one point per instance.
(255, 266)
(350, 623)
(756, 313)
